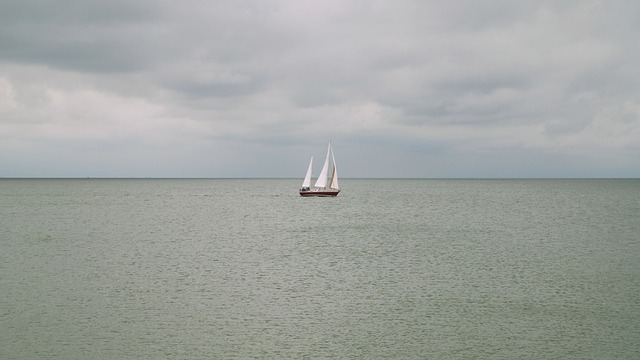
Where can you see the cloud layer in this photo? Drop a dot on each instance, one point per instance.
(252, 88)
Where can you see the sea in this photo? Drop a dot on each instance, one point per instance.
(389, 269)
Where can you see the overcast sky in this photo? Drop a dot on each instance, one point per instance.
(253, 88)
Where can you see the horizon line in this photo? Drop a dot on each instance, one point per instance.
(295, 178)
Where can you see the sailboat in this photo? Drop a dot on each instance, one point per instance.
(320, 187)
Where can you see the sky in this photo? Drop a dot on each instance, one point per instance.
(253, 88)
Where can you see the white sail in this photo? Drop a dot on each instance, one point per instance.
(322, 178)
(320, 187)
(334, 176)
(307, 179)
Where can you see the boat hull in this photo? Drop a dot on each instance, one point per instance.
(321, 193)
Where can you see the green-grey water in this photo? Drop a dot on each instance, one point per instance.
(390, 269)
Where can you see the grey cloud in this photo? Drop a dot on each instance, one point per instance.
(532, 74)
(75, 35)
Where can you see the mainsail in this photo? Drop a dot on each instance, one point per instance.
(322, 178)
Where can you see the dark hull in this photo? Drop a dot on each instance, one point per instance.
(322, 193)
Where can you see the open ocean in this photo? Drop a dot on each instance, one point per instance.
(390, 269)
